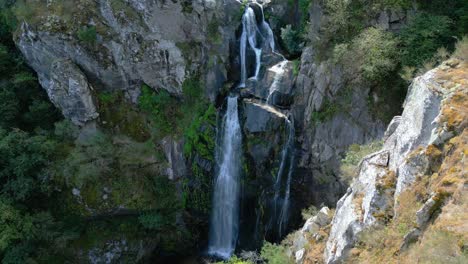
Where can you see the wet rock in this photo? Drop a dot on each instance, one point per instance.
(260, 117)
(174, 152)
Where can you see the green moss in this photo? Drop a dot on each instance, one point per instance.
(120, 116)
(329, 109)
(214, 36)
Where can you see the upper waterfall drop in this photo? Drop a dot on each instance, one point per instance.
(256, 37)
(224, 226)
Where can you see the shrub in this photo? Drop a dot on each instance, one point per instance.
(214, 36)
(162, 107)
(309, 212)
(329, 109)
(292, 40)
(373, 54)
(87, 34)
(354, 155)
(274, 254)
(423, 36)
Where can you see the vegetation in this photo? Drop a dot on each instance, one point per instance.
(87, 34)
(372, 54)
(274, 254)
(350, 164)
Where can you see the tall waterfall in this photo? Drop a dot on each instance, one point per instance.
(256, 37)
(225, 215)
(281, 204)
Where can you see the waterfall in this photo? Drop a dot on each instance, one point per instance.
(250, 32)
(269, 32)
(287, 158)
(225, 215)
(278, 70)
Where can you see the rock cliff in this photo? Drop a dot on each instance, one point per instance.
(433, 117)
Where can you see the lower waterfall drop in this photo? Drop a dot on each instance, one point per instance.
(224, 226)
(287, 158)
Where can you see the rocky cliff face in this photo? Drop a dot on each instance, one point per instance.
(159, 43)
(426, 125)
(117, 46)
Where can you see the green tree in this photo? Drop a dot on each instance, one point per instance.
(423, 36)
(23, 163)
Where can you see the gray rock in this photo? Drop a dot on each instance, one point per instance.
(356, 209)
(416, 128)
(161, 47)
(425, 212)
(310, 230)
(70, 91)
(260, 117)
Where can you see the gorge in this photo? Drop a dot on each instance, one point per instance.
(229, 131)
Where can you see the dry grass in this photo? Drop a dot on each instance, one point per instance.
(461, 49)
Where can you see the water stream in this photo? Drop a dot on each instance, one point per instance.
(224, 226)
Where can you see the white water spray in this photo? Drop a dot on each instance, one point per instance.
(225, 215)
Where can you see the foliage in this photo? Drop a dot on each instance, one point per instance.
(423, 36)
(214, 36)
(373, 54)
(162, 108)
(235, 260)
(328, 110)
(461, 49)
(296, 67)
(309, 212)
(274, 254)
(354, 155)
(292, 40)
(87, 34)
(24, 159)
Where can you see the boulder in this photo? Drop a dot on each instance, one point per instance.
(69, 90)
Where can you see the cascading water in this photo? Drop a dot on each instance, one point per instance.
(266, 28)
(287, 157)
(250, 34)
(278, 70)
(225, 215)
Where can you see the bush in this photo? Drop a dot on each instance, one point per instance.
(87, 34)
(292, 40)
(274, 254)
(423, 36)
(354, 155)
(373, 54)
(163, 109)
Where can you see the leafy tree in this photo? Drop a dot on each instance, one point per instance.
(373, 54)
(24, 159)
(423, 36)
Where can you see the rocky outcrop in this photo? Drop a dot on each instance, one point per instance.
(332, 114)
(70, 91)
(312, 230)
(383, 176)
(159, 43)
